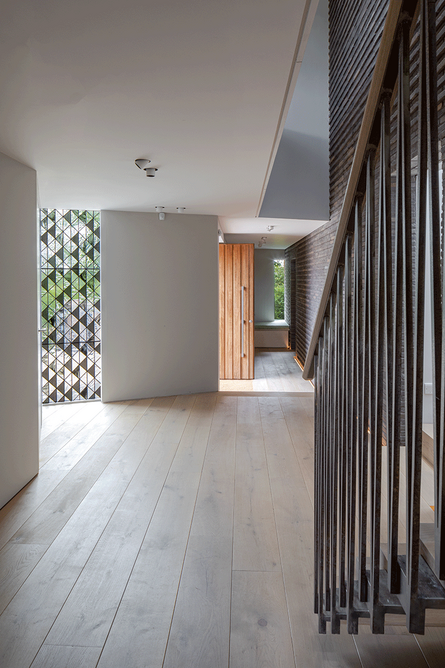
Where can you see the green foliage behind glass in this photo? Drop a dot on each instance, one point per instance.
(279, 289)
(70, 260)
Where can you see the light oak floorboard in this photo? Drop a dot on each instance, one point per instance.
(139, 634)
(432, 645)
(68, 456)
(200, 631)
(52, 443)
(255, 546)
(27, 619)
(298, 414)
(44, 524)
(87, 615)
(51, 656)
(15, 513)
(293, 516)
(260, 380)
(274, 382)
(260, 634)
(21, 507)
(395, 648)
(213, 514)
(17, 561)
(275, 371)
(54, 415)
(280, 367)
(139, 571)
(289, 376)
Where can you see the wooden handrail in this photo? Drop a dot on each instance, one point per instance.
(385, 74)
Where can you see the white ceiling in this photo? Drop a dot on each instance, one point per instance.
(286, 231)
(199, 87)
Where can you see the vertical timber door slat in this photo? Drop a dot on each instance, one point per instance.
(236, 279)
(247, 325)
(228, 311)
(236, 268)
(222, 306)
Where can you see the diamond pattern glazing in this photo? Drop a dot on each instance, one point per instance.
(70, 302)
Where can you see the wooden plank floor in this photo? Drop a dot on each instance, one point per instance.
(179, 533)
(275, 371)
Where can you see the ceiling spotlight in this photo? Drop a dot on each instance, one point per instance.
(142, 163)
(263, 239)
(160, 212)
(270, 228)
(180, 209)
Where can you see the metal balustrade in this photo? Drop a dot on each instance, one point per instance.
(367, 353)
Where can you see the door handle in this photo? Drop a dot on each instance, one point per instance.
(242, 321)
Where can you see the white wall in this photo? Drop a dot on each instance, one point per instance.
(159, 283)
(19, 367)
(299, 181)
(264, 282)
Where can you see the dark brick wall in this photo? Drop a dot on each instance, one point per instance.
(355, 30)
(354, 35)
(309, 259)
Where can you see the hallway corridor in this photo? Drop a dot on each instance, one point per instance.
(175, 531)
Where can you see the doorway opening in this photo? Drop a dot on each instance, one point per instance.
(274, 367)
(70, 305)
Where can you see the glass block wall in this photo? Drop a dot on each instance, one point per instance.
(70, 293)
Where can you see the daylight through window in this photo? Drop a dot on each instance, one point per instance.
(279, 289)
(70, 304)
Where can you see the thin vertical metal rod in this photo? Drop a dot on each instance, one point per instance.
(336, 318)
(326, 480)
(351, 433)
(343, 365)
(377, 355)
(355, 415)
(332, 483)
(321, 485)
(403, 219)
(437, 310)
(375, 319)
(359, 345)
(373, 340)
(364, 418)
(414, 300)
(317, 402)
(414, 449)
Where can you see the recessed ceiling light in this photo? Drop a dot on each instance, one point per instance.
(142, 163)
(160, 212)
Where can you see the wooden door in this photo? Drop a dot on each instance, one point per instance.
(236, 312)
